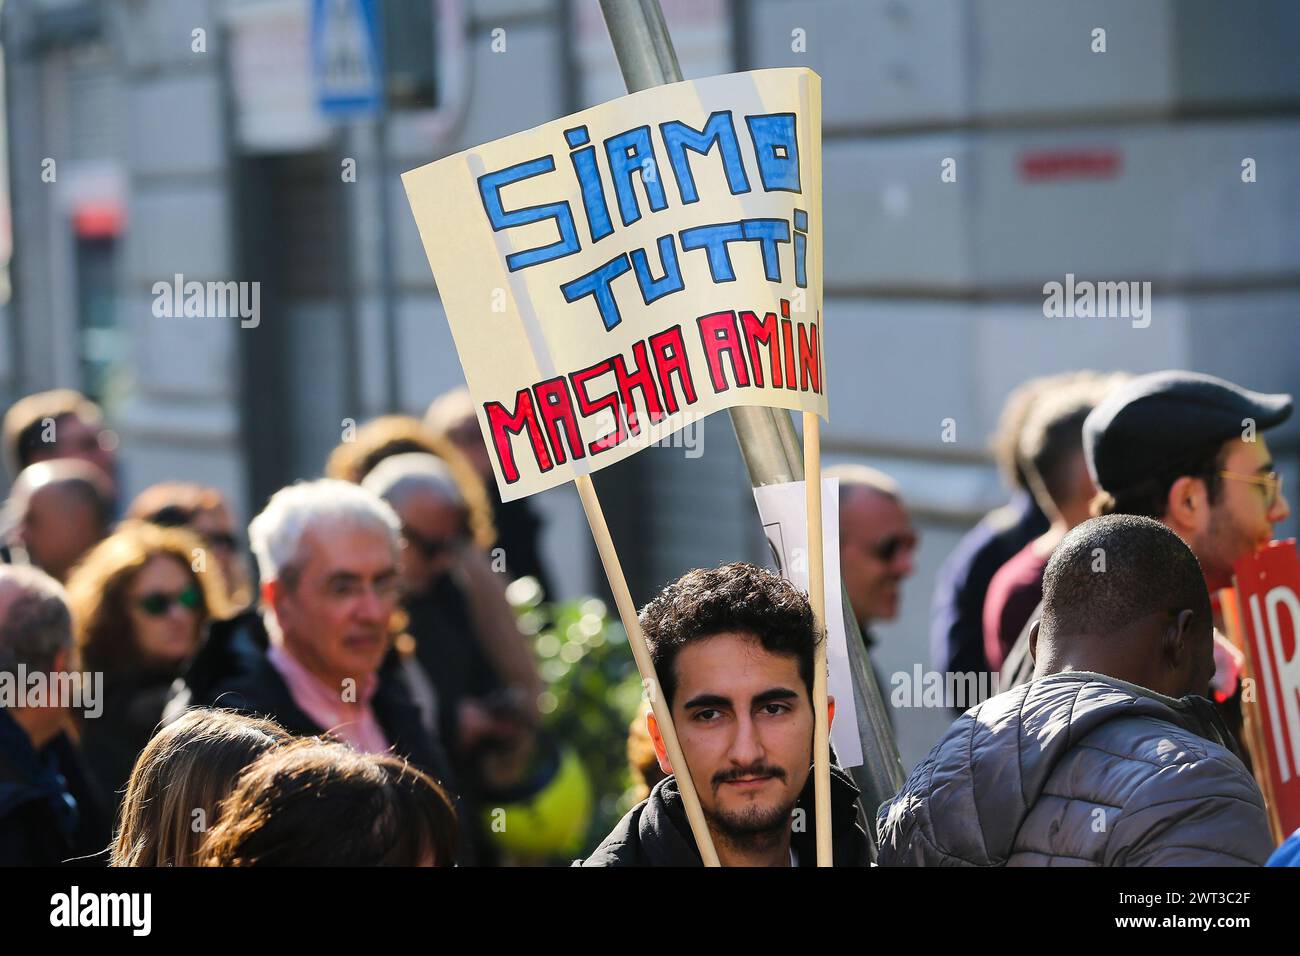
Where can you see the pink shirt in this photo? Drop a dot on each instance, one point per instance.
(354, 724)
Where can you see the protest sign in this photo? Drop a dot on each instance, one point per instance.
(1267, 611)
(615, 274)
(692, 283)
(783, 511)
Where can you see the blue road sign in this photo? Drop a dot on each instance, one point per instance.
(347, 60)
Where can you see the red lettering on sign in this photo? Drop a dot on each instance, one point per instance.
(720, 338)
(669, 350)
(503, 424)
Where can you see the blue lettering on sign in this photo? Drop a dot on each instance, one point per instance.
(714, 238)
(768, 232)
(628, 154)
(489, 188)
(776, 146)
(597, 283)
(671, 281)
(801, 248)
(593, 192)
(720, 130)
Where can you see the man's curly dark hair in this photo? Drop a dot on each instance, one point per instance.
(735, 598)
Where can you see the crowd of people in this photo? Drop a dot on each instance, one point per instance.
(370, 681)
(373, 680)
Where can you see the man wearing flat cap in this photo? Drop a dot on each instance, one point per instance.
(1188, 450)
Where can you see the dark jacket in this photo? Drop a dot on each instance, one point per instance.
(656, 833)
(519, 532)
(1079, 769)
(111, 742)
(232, 670)
(448, 648)
(957, 614)
(51, 810)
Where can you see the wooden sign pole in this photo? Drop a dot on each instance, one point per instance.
(812, 467)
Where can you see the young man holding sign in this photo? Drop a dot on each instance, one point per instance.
(734, 648)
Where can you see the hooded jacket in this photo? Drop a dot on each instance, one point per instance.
(656, 832)
(1079, 769)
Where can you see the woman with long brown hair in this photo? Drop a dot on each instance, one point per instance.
(179, 781)
(316, 802)
(141, 601)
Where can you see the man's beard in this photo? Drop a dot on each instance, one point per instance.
(1222, 547)
(752, 825)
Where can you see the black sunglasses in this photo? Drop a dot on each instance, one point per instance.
(888, 549)
(158, 603)
(431, 547)
(222, 539)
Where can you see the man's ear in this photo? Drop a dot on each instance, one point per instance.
(661, 752)
(1033, 641)
(830, 711)
(1186, 508)
(272, 593)
(1173, 648)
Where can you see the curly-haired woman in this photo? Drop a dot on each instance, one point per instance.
(141, 602)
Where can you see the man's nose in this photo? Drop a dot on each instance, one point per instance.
(1280, 511)
(371, 606)
(746, 746)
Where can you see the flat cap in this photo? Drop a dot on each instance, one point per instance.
(1158, 421)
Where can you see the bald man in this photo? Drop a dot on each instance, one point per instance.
(877, 543)
(58, 510)
(1112, 755)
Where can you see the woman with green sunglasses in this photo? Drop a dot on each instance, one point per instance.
(141, 603)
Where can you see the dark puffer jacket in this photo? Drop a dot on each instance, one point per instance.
(1079, 769)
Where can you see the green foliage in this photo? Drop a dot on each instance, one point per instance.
(592, 691)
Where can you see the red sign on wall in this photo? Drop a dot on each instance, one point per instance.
(1268, 590)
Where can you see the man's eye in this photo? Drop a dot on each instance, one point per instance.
(774, 709)
(706, 715)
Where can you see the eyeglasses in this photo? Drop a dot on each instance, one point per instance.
(1271, 483)
(158, 603)
(431, 547)
(888, 549)
(222, 539)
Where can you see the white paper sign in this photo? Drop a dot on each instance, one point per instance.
(784, 512)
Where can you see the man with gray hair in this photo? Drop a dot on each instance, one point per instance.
(314, 659)
(51, 810)
(877, 543)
